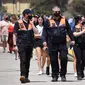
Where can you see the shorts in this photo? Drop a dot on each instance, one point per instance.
(38, 43)
(4, 38)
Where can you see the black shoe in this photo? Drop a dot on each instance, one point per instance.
(10, 52)
(82, 74)
(54, 79)
(22, 79)
(79, 77)
(63, 78)
(47, 71)
(27, 80)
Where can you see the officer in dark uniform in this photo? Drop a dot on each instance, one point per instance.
(24, 30)
(54, 35)
(79, 47)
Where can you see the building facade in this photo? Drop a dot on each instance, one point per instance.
(15, 6)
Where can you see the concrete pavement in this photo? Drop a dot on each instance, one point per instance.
(9, 73)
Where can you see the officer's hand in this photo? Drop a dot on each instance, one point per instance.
(72, 42)
(44, 44)
(32, 22)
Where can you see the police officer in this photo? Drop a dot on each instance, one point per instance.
(24, 30)
(79, 47)
(54, 35)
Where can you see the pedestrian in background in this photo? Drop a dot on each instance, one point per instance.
(4, 25)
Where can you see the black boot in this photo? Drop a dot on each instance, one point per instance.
(47, 71)
(23, 79)
(82, 74)
(27, 80)
(79, 77)
(63, 78)
(54, 79)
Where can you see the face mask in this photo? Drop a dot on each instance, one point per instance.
(7, 18)
(29, 17)
(57, 13)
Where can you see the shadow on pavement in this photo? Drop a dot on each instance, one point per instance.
(38, 81)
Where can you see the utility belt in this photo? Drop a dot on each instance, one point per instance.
(24, 40)
(57, 39)
(57, 36)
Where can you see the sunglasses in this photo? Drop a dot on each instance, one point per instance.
(56, 11)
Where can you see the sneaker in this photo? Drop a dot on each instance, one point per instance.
(35, 58)
(15, 58)
(75, 74)
(63, 78)
(4, 51)
(40, 72)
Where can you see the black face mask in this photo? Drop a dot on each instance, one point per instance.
(7, 18)
(29, 17)
(57, 13)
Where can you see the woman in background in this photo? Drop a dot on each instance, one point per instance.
(11, 36)
(39, 46)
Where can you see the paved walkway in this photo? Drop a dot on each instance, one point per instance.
(9, 73)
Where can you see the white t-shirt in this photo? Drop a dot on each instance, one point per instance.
(40, 29)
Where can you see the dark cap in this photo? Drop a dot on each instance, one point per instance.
(27, 11)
